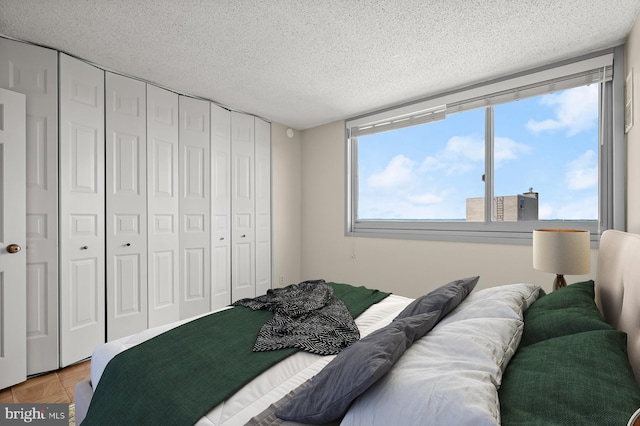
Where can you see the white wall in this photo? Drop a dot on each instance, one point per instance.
(632, 60)
(286, 201)
(406, 267)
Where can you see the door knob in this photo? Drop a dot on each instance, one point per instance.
(13, 248)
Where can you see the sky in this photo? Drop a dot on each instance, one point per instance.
(548, 143)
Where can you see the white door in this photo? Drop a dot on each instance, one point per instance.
(263, 206)
(220, 207)
(13, 344)
(162, 206)
(126, 187)
(33, 71)
(243, 273)
(82, 210)
(195, 205)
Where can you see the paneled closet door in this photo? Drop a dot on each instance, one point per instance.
(126, 187)
(263, 206)
(162, 206)
(220, 207)
(13, 345)
(195, 205)
(82, 209)
(33, 71)
(243, 273)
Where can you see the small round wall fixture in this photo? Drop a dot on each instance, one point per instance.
(290, 133)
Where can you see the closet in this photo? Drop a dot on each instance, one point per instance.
(126, 205)
(243, 271)
(159, 209)
(220, 207)
(162, 206)
(82, 209)
(194, 168)
(250, 206)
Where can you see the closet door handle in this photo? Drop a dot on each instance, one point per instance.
(221, 238)
(243, 235)
(13, 248)
(84, 247)
(128, 244)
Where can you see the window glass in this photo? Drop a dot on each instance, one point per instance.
(547, 145)
(424, 172)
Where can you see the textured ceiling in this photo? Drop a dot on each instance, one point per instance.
(306, 63)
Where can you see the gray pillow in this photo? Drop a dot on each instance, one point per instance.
(354, 370)
(444, 299)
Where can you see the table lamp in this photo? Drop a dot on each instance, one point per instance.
(561, 251)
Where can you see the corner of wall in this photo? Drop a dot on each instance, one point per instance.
(632, 64)
(286, 206)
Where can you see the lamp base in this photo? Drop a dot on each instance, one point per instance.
(559, 282)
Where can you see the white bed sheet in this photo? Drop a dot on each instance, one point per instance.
(268, 387)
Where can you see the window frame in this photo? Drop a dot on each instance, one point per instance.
(611, 161)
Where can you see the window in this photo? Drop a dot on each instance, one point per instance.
(423, 172)
(493, 162)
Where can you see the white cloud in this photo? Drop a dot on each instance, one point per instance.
(465, 147)
(462, 153)
(546, 211)
(582, 173)
(574, 111)
(459, 156)
(582, 209)
(398, 172)
(431, 164)
(506, 149)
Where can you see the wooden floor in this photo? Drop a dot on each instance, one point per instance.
(54, 387)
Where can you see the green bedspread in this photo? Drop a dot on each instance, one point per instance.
(177, 377)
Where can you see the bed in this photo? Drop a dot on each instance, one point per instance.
(509, 355)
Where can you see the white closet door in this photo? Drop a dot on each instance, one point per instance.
(195, 205)
(162, 206)
(82, 215)
(220, 207)
(33, 71)
(126, 184)
(263, 206)
(13, 345)
(243, 273)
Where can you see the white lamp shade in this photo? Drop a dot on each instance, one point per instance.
(562, 251)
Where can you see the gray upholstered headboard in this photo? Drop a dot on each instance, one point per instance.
(618, 288)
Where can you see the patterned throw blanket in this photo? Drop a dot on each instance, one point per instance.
(308, 316)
